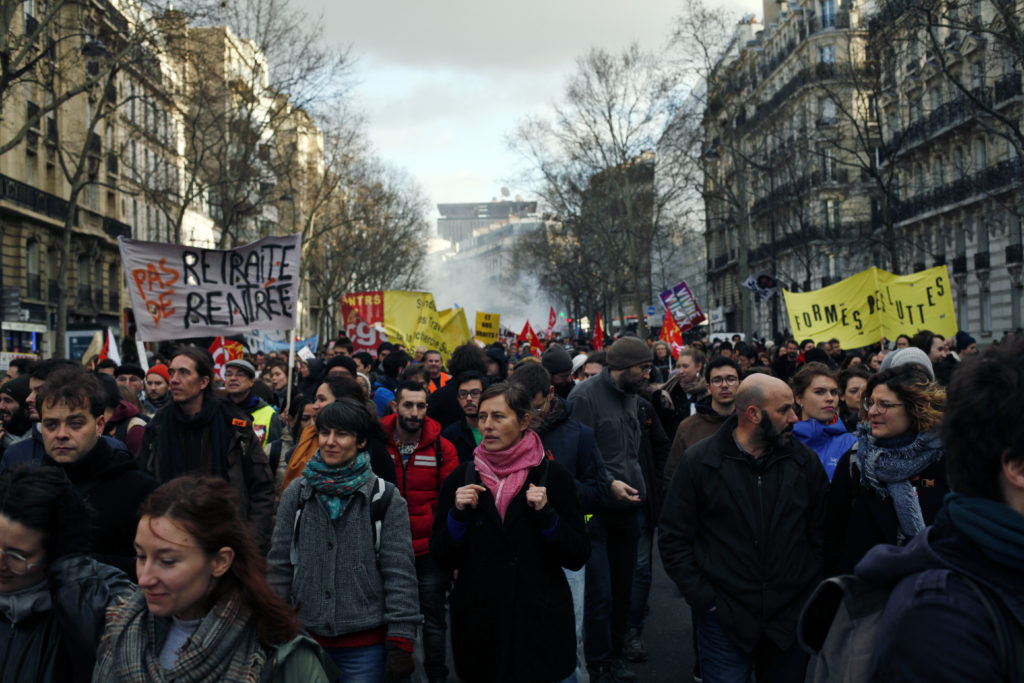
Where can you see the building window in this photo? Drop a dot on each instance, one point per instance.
(828, 164)
(828, 13)
(826, 111)
(981, 154)
(827, 54)
(830, 211)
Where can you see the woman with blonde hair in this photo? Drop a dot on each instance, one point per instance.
(889, 487)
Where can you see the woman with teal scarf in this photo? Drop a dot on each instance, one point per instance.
(357, 598)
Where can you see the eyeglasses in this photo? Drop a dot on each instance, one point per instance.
(16, 562)
(720, 380)
(644, 369)
(883, 406)
(475, 393)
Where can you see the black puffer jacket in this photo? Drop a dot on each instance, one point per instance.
(52, 635)
(110, 482)
(746, 537)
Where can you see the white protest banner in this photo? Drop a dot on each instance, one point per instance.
(180, 292)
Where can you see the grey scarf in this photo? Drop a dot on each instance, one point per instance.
(886, 466)
(20, 604)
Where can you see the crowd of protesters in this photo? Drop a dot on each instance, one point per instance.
(347, 516)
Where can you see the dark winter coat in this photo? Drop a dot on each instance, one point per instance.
(654, 450)
(746, 536)
(54, 636)
(111, 483)
(857, 518)
(674, 404)
(572, 446)
(461, 436)
(443, 405)
(934, 628)
(420, 478)
(511, 609)
(695, 428)
(248, 469)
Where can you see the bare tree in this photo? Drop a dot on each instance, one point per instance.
(593, 164)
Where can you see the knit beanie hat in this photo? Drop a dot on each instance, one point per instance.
(160, 369)
(17, 389)
(627, 352)
(911, 354)
(963, 340)
(556, 359)
(130, 369)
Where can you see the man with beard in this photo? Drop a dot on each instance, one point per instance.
(198, 433)
(423, 459)
(158, 386)
(558, 363)
(785, 366)
(464, 434)
(14, 419)
(608, 404)
(742, 536)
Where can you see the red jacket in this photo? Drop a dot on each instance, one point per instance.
(419, 481)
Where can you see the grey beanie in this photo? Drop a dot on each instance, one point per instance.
(911, 354)
(627, 352)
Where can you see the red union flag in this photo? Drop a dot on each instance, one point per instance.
(671, 333)
(598, 342)
(222, 351)
(681, 305)
(527, 335)
(552, 320)
(362, 315)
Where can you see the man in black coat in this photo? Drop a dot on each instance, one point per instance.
(443, 404)
(70, 405)
(742, 536)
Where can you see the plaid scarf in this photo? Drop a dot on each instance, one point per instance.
(337, 484)
(504, 472)
(223, 648)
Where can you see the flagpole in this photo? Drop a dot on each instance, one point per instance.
(291, 366)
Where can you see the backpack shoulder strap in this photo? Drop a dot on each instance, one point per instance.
(379, 503)
(1011, 639)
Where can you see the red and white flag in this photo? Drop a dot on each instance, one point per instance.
(552, 321)
(222, 351)
(528, 335)
(110, 349)
(671, 333)
(598, 342)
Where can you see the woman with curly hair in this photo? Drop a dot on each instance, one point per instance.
(889, 487)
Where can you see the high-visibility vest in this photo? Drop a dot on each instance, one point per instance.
(441, 381)
(261, 418)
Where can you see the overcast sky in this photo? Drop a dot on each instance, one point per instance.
(443, 82)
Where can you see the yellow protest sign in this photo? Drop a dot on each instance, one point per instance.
(487, 327)
(872, 304)
(454, 327)
(412, 319)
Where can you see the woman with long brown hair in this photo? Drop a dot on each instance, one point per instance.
(889, 487)
(203, 610)
(816, 392)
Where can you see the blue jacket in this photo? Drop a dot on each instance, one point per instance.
(934, 627)
(32, 450)
(384, 394)
(830, 442)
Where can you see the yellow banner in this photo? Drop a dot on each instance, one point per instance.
(487, 325)
(872, 304)
(412, 319)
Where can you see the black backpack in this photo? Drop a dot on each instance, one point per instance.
(839, 625)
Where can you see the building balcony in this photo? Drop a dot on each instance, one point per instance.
(986, 181)
(959, 265)
(982, 260)
(1007, 87)
(34, 199)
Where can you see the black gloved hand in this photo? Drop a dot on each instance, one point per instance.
(399, 663)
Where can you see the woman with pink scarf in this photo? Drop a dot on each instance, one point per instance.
(508, 522)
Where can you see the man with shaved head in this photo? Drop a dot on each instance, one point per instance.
(741, 536)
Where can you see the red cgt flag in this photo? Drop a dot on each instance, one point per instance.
(222, 351)
(552, 321)
(598, 342)
(527, 335)
(671, 333)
